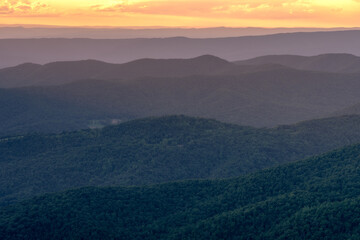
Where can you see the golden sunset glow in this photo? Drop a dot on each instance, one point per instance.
(184, 13)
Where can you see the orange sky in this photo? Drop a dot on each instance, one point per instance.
(184, 13)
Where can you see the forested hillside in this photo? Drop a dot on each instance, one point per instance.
(157, 150)
(313, 199)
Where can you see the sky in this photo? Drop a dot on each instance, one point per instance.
(183, 13)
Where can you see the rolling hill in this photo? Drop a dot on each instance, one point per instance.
(45, 50)
(261, 98)
(313, 199)
(157, 150)
(339, 63)
(58, 73)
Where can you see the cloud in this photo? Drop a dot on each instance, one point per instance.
(187, 12)
(231, 9)
(21, 7)
(5, 9)
(214, 8)
(175, 8)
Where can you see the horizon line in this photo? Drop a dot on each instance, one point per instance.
(163, 27)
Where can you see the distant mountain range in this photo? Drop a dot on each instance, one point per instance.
(158, 150)
(313, 199)
(13, 31)
(58, 73)
(339, 63)
(41, 51)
